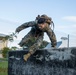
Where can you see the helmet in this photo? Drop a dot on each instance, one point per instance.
(44, 18)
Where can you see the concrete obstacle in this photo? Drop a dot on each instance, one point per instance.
(60, 61)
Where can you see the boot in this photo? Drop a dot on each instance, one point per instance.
(26, 56)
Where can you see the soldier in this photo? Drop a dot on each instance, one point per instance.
(39, 26)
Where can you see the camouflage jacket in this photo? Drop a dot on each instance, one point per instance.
(36, 31)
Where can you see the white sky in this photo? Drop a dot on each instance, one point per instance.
(15, 12)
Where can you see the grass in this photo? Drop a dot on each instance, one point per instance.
(4, 67)
(3, 59)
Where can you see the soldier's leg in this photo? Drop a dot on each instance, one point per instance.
(34, 47)
(25, 39)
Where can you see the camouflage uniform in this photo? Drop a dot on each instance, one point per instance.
(36, 34)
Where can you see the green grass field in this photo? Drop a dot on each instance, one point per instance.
(3, 67)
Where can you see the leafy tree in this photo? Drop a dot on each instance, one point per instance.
(14, 48)
(11, 37)
(5, 51)
(44, 44)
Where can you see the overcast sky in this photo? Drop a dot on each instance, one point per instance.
(15, 12)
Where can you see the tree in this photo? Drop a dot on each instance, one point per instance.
(5, 51)
(14, 48)
(11, 37)
(44, 44)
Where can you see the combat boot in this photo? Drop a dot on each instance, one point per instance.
(26, 56)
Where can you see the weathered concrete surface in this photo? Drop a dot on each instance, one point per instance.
(60, 61)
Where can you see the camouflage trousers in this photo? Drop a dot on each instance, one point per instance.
(37, 41)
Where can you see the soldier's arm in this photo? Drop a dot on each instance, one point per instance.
(51, 36)
(25, 25)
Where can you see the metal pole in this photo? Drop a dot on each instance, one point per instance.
(68, 40)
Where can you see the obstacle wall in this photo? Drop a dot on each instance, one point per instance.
(60, 61)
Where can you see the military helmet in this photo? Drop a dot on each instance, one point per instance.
(44, 18)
